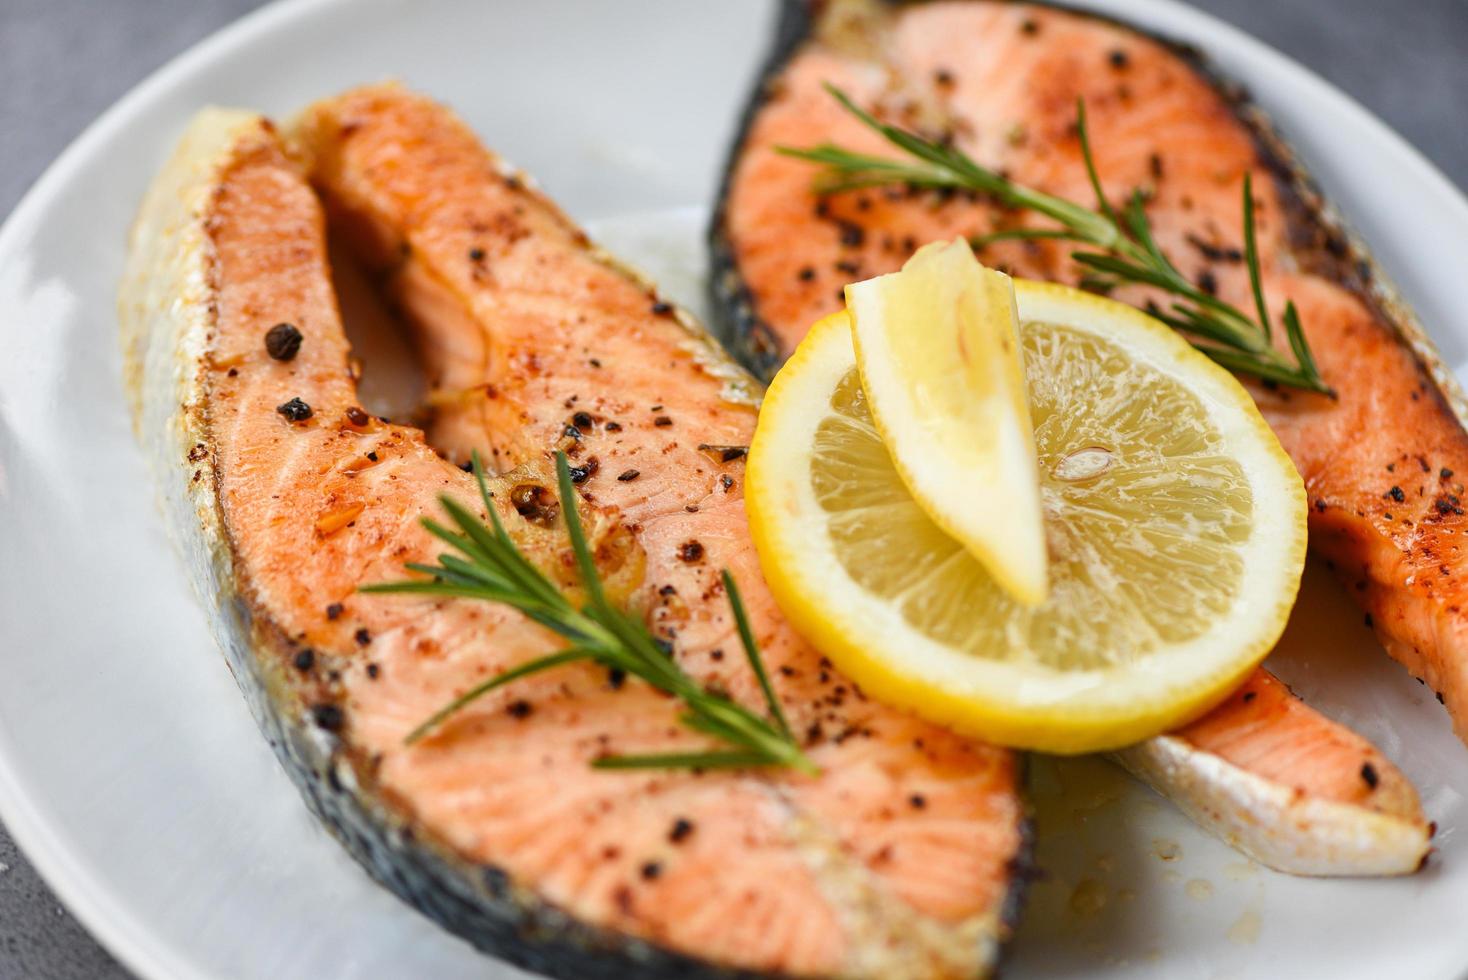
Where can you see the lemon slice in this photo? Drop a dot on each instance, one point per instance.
(1174, 521)
(938, 350)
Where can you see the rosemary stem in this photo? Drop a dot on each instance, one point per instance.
(489, 565)
(1126, 251)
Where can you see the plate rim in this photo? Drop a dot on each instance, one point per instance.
(107, 917)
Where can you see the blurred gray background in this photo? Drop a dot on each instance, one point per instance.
(64, 61)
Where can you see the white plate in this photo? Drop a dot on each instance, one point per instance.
(130, 770)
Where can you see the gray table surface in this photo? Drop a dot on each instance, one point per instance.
(63, 61)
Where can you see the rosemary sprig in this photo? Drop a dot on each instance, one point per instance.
(488, 565)
(1127, 252)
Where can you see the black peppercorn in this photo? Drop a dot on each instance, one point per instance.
(580, 474)
(295, 410)
(328, 716)
(283, 341)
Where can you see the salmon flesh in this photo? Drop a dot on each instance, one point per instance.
(1381, 463)
(903, 858)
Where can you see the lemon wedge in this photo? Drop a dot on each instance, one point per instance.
(1174, 522)
(938, 350)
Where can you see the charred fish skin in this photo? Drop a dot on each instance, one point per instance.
(478, 902)
(736, 322)
(1321, 238)
(166, 316)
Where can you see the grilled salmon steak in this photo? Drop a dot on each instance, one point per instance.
(903, 858)
(1001, 81)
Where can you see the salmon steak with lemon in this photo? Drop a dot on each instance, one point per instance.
(1000, 81)
(1177, 488)
(902, 857)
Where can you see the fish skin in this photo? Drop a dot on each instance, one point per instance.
(778, 258)
(1248, 771)
(231, 240)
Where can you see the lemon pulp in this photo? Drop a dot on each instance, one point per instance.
(1139, 505)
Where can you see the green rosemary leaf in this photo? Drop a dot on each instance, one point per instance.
(458, 569)
(1191, 320)
(953, 168)
(649, 661)
(438, 571)
(1141, 229)
(488, 565)
(835, 156)
(683, 760)
(469, 524)
(427, 587)
(913, 144)
(1185, 320)
(727, 720)
(453, 539)
(1298, 344)
(590, 580)
(1227, 330)
(1129, 271)
(479, 690)
(1251, 258)
(1102, 285)
(1091, 174)
(488, 549)
(751, 651)
(1024, 234)
(1268, 370)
